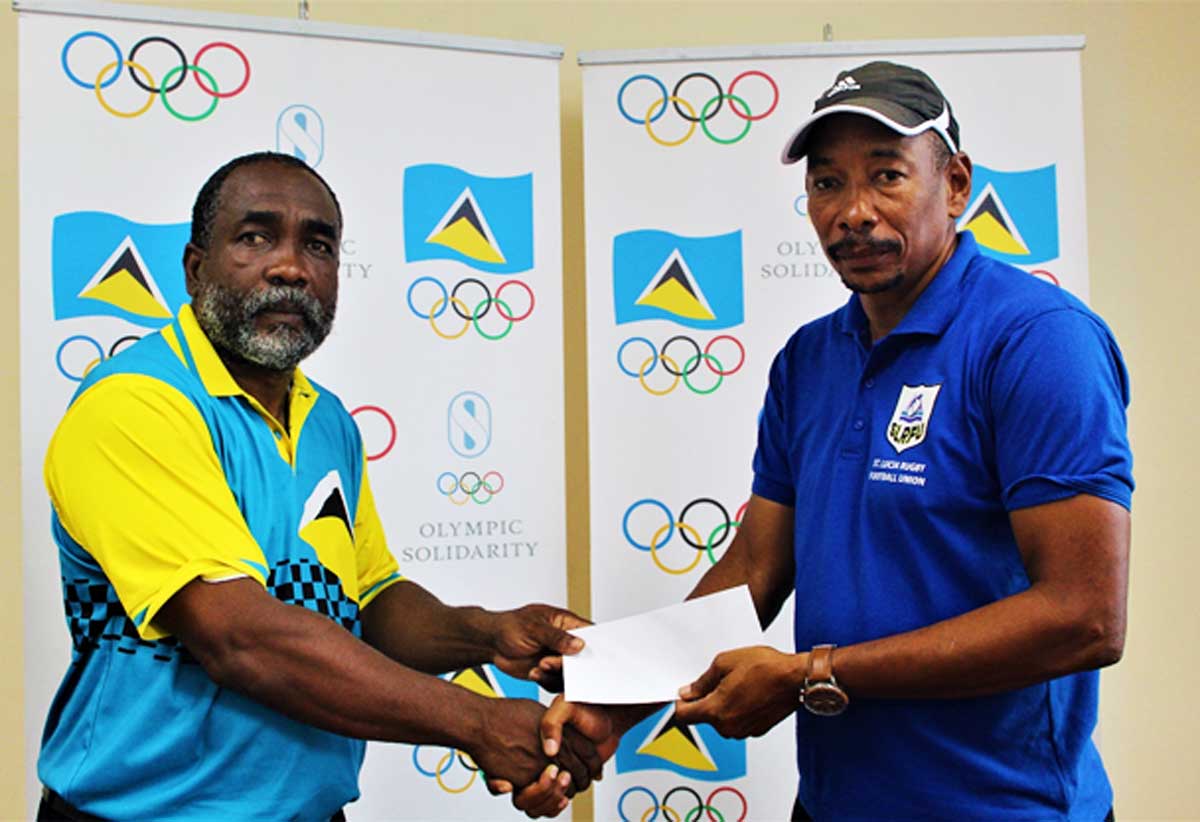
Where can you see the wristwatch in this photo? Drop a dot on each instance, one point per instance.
(821, 694)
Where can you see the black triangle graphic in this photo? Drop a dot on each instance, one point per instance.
(480, 672)
(467, 212)
(688, 732)
(129, 263)
(335, 506)
(988, 205)
(675, 272)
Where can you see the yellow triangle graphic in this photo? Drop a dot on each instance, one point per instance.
(466, 239)
(473, 682)
(673, 746)
(672, 296)
(991, 234)
(125, 292)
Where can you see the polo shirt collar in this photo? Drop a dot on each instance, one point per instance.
(937, 305)
(218, 382)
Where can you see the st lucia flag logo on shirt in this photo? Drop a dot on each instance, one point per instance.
(105, 265)
(485, 222)
(692, 281)
(662, 743)
(1014, 214)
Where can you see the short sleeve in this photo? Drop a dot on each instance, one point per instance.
(135, 481)
(1058, 397)
(376, 567)
(772, 474)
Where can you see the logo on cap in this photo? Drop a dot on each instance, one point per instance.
(847, 83)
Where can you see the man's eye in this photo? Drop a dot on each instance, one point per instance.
(823, 184)
(321, 247)
(252, 238)
(890, 175)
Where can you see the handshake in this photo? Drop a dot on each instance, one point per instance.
(543, 757)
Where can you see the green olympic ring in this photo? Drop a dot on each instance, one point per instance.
(704, 118)
(694, 813)
(166, 81)
(475, 320)
(708, 546)
(695, 359)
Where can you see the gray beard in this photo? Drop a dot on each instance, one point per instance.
(228, 320)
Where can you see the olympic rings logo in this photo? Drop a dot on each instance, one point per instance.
(686, 110)
(691, 363)
(471, 485)
(391, 425)
(110, 72)
(82, 342)
(1046, 275)
(691, 534)
(670, 814)
(447, 761)
(472, 310)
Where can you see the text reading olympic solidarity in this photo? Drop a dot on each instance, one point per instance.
(110, 72)
(471, 311)
(631, 102)
(641, 368)
(691, 534)
(672, 814)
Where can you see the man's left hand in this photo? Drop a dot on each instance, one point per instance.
(744, 692)
(530, 642)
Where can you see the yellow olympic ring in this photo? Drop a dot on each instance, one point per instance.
(663, 103)
(465, 499)
(442, 765)
(659, 535)
(666, 809)
(433, 323)
(127, 114)
(678, 372)
(88, 368)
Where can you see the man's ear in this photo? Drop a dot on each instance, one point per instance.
(193, 255)
(958, 184)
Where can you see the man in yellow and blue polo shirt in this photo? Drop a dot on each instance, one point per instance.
(239, 625)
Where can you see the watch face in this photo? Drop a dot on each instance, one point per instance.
(825, 699)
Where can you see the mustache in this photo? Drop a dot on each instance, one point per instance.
(861, 246)
(284, 298)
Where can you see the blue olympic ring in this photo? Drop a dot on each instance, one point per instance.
(445, 301)
(116, 50)
(58, 356)
(648, 792)
(655, 503)
(431, 774)
(637, 121)
(796, 205)
(653, 354)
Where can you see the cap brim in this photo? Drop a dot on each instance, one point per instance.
(897, 118)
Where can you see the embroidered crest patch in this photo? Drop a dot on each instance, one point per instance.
(910, 420)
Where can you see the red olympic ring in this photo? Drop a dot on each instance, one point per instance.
(391, 424)
(741, 351)
(741, 512)
(500, 308)
(1041, 272)
(774, 88)
(735, 792)
(235, 50)
(490, 488)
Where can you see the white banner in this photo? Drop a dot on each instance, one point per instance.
(445, 157)
(701, 263)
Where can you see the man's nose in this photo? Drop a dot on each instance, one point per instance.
(286, 267)
(857, 212)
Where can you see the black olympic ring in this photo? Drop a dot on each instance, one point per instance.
(694, 360)
(675, 93)
(178, 51)
(699, 802)
(487, 299)
(726, 522)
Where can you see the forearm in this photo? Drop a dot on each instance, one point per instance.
(1014, 642)
(414, 627)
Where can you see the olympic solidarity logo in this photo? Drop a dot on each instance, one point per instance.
(108, 73)
(690, 363)
(670, 814)
(75, 349)
(471, 485)
(644, 116)
(447, 761)
(691, 534)
(469, 311)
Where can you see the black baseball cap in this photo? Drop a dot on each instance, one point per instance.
(903, 98)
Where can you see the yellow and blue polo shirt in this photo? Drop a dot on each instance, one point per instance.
(163, 471)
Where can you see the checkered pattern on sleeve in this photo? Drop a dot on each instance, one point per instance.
(312, 585)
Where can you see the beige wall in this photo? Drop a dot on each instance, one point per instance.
(1142, 127)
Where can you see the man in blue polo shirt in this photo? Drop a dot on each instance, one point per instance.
(239, 625)
(943, 478)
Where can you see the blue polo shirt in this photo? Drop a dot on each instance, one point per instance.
(903, 461)
(164, 471)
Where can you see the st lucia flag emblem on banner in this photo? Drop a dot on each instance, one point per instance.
(692, 281)
(493, 683)
(485, 222)
(105, 265)
(1014, 214)
(661, 743)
